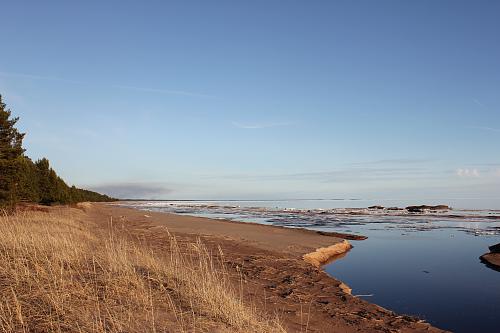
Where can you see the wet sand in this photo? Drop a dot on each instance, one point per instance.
(270, 260)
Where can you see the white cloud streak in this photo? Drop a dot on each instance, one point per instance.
(486, 128)
(138, 190)
(143, 89)
(164, 91)
(468, 173)
(478, 102)
(346, 175)
(38, 77)
(260, 125)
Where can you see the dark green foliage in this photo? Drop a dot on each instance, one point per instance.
(21, 180)
(11, 140)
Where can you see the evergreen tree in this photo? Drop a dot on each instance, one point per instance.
(11, 151)
(28, 189)
(23, 180)
(11, 141)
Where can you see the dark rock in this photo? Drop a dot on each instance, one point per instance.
(422, 208)
(415, 209)
(376, 207)
(491, 260)
(495, 248)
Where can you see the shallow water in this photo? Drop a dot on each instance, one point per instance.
(434, 274)
(424, 265)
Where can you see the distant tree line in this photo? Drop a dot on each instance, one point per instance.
(22, 180)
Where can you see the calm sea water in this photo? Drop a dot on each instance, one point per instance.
(423, 265)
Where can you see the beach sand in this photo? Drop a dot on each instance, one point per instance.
(270, 262)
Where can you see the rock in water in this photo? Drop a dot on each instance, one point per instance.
(495, 248)
(492, 260)
(422, 208)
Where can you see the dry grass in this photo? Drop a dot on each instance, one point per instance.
(59, 274)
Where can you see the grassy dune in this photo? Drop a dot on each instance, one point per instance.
(61, 274)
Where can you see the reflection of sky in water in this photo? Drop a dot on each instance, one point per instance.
(422, 265)
(436, 275)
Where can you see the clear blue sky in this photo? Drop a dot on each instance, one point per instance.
(260, 99)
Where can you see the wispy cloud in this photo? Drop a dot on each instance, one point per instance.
(114, 86)
(474, 173)
(260, 125)
(134, 190)
(478, 102)
(164, 91)
(396, 161)
(398, 169)
(486, 128)
(341, 175)
(39, 77)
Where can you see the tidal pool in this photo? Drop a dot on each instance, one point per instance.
(435, 275)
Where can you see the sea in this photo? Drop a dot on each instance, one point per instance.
(423, 264)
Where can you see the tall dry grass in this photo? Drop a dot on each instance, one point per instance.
(60, 274)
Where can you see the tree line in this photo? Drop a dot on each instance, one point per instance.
(22, 180)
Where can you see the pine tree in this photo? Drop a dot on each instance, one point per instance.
(11, 141)
(11, 151)
(23, 180)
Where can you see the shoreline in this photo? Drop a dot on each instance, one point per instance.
(271, 258)
(319, 257)
(296, 241)
(379, 211)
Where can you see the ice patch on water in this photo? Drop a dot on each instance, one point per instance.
(476, 222)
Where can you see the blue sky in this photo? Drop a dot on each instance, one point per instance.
(260, 99)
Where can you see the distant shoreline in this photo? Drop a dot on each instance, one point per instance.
(240, 200)
(455, 204)
(431, 211)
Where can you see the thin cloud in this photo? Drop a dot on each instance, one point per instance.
(478, 102)
(486, 128)
(133, 190)
(143, 89)
(397, 161)
(38, 77)
(164, 91)
(260, 125)
(468, 173)
(345, 175)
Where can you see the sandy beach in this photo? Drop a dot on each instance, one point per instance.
(271, 262)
